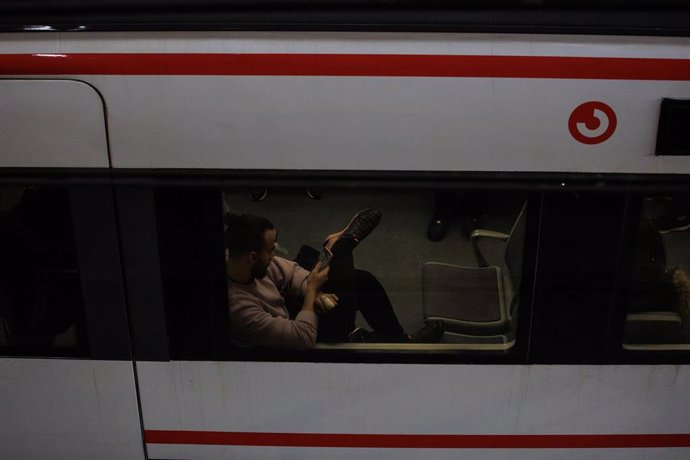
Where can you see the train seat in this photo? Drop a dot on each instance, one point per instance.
(653, 327)
(482, 300)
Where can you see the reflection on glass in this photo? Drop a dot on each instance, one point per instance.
(658, 313)
(447, 260)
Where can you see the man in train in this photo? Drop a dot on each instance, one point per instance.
(260, 285)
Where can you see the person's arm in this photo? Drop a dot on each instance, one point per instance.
(253, 326)
(315, 281)
(293, 282)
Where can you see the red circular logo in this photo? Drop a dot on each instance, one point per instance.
(592, 122)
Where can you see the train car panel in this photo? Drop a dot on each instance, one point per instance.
(348, 43)
(202, 403)
(52, 123)
(70, 408)
(385, 124)
(314, 101)
(121, 270)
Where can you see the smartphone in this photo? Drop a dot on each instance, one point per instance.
(325, 257)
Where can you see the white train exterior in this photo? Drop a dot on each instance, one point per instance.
(339, 101)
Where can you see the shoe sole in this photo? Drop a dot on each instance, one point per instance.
(675, 229)
(337, 235)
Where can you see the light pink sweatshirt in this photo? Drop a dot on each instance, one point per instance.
(258, 316)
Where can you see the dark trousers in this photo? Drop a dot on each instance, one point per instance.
(357, 290)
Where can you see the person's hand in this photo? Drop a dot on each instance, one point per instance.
(317, 278)
(325, 303)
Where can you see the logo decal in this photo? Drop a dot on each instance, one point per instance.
(592, 122)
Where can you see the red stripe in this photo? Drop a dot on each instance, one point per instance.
(347, 65)
(425, 441)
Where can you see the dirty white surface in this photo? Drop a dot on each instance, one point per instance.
(413, 399)
(68, 409)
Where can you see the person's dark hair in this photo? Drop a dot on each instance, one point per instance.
(245, 233)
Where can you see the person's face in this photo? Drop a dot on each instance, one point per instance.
(263, 257)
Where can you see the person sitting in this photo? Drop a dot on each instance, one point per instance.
(259, 283)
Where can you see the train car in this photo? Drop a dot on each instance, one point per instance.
(529, 159)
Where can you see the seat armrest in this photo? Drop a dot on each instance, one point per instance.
(476, 235)
(653, 327)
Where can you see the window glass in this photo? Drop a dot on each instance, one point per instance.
(41, 306)
(442, 267)
(658, 304)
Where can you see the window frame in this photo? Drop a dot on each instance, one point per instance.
(223, 351)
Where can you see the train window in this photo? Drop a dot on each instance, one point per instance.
(41, 306)
(417, 270)
(433, 270)
(436, 271)
(415, 273)
(658, 306)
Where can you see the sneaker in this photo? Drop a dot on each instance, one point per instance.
(670, 222)
(359, 335)
(360, 226)
(430, 333)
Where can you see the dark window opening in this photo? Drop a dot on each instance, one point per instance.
(41, 305)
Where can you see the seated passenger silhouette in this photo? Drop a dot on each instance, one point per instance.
(260, 284)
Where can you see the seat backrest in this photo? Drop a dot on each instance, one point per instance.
(461, 293)
(513, 259)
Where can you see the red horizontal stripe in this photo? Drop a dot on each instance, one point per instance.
(347, 65)
(425, 441)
